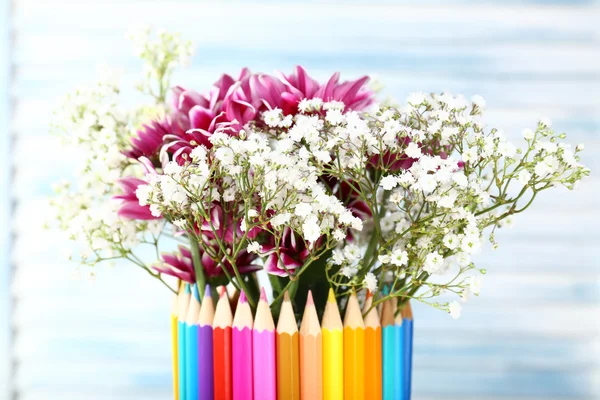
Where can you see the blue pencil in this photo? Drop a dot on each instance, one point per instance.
(399, 373)
(183, 303)
(388, 346)
(407, 324)
(191, 342)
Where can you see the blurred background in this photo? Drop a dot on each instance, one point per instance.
(534, 333)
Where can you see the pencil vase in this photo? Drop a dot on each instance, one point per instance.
(228, 348)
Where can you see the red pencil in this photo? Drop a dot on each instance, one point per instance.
(222, 349)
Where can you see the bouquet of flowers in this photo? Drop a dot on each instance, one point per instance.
(318, 184)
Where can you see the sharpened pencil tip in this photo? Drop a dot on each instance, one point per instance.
(309, 299)
(369, 294)
(243, 299)
(263, 294)
(331, 296)
(207, 291)
(195, 292)
(286, 296)
(386, 290)
(222, 292)
(187, 289)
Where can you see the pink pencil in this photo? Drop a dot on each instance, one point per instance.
(263, 342)
(242, 350)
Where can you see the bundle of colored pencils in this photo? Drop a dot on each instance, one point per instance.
(228, 354)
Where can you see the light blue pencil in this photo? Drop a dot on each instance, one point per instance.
(191, 342)
(183, 303)
(399, 373)
(407, 324)
(388, 348)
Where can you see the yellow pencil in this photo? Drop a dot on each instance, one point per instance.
(354, 351)
(333, 351)
(174, 350)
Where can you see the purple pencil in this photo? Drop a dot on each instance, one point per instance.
(241, 336)
(205, 348)
(263, 342)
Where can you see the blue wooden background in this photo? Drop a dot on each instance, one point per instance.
(534, 333)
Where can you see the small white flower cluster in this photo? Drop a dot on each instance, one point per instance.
(91, 121)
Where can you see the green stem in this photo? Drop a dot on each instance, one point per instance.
(198, 268)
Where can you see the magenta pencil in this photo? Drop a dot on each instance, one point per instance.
(241, 337)
(205, 347)
(263, 343)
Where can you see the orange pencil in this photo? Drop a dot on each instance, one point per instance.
(311, 353)
(354, 351)
(223, 383)
(288, 364)
(372, 350)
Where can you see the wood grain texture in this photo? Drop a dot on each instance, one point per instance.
(534, 333)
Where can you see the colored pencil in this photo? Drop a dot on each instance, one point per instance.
(333, 351)
(372, 350)
(233, 300)
(407, 324)
(223, 379)
(354, 351)
(183, 303)
(311, 353)
(288, 363)
(191, 342)
(174, 350)
(263, 346)
(399, 377)
(205, 348)
(241, 338)
(388, 348)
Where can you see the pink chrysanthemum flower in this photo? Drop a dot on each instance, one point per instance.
(180, 265)
(130, 206)
(292, 253)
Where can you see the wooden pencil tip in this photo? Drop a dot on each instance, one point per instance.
(386, 290)
(263, 294)
(286, 296)
(207, 291)
(243, 299)
(187, 289)
(309, 299)
(195, 292)
(369, 294)
(331, 296)
(222, 292)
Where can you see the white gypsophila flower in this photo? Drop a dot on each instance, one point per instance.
(580, 147)
(272, 117)
(352, 253)
(524, 177)
(254, 247)
(451, 241)
(339, 235)
(370, 282)
(349, 271)
(546, 122)
(507, 149)
(252, 213)
(478, 101)
(384, 258)
(337, 257)
(413, 150)
(427, 183)
(455, 309)
(303, 209)
(396, 197)
(433, 262)
(527, 134)
(388, 182)
(399, 257)
(280, 219)
(475, 284)
(470, 244)
(334, 117)
(311, 231)
(416, 98)
(180, 223)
